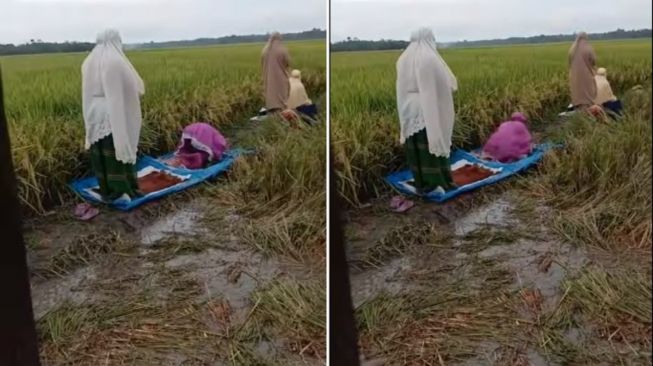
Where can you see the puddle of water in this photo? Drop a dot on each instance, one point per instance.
(231, 275)
(487, 353)
(176, 359)
(268, 349)
(182, 221)
(494, 213)
(49, 295)
(574, 336)
(522, 259)
(536, 359)
(384, 279)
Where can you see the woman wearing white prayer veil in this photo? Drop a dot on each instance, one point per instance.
(425, 87)
(111, 90)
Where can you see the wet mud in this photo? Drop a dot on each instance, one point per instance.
(461, 239)
(144, 251)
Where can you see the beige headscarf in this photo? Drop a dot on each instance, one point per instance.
(603, 89)
(581, 71)
(297, 96)
(275, 61)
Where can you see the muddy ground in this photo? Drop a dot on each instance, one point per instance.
(170, 283)
(187, 282)
(486, 279)
(479, 280)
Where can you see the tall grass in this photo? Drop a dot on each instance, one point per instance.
(493, 82)
(614, 309)
(298, 309)
(281, 191)
(600, 183)
(219, 84)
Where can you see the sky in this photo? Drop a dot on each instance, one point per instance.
(457, 20)
(154, 20)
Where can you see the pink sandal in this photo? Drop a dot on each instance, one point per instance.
(85, 212)
(400, 204)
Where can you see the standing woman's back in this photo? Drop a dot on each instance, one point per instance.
(425, 87)
(581, 72)
(275, 62)
(111, 90)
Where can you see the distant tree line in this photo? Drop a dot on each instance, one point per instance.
(617, 34)
(38, 46)
(314, 33)
(354, 44)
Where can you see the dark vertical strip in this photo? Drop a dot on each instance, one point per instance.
(18, 342)
(343, 342)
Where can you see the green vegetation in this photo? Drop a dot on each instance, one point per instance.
(590, 199)
(493, 82)
(272, 204)
(600, 184)
(220, 85)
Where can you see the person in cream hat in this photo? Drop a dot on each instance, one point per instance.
(298, 99)
(604, 95)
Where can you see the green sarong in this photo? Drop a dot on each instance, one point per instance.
(115, 178)
(429, 171)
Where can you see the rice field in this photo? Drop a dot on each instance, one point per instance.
(269, 210)
(430, 295)
(492, 83)
(218, 84)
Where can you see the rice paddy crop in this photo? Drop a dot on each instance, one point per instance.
(595, 193)
(218, 84)
(492, 83)
(275, 196)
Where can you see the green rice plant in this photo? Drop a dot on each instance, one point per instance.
(600, 183)
(298, 311)
(280, 190)
(220, 85)
(598, 186)
(140, 329)
(493, 82)
(611, 310)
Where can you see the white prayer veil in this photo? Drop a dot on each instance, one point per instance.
(111, 90)
(424, 93)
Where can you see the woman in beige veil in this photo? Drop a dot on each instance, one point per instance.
(582, 61)
(275, 61)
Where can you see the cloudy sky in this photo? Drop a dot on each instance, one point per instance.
(156, 20)
(456, 20)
